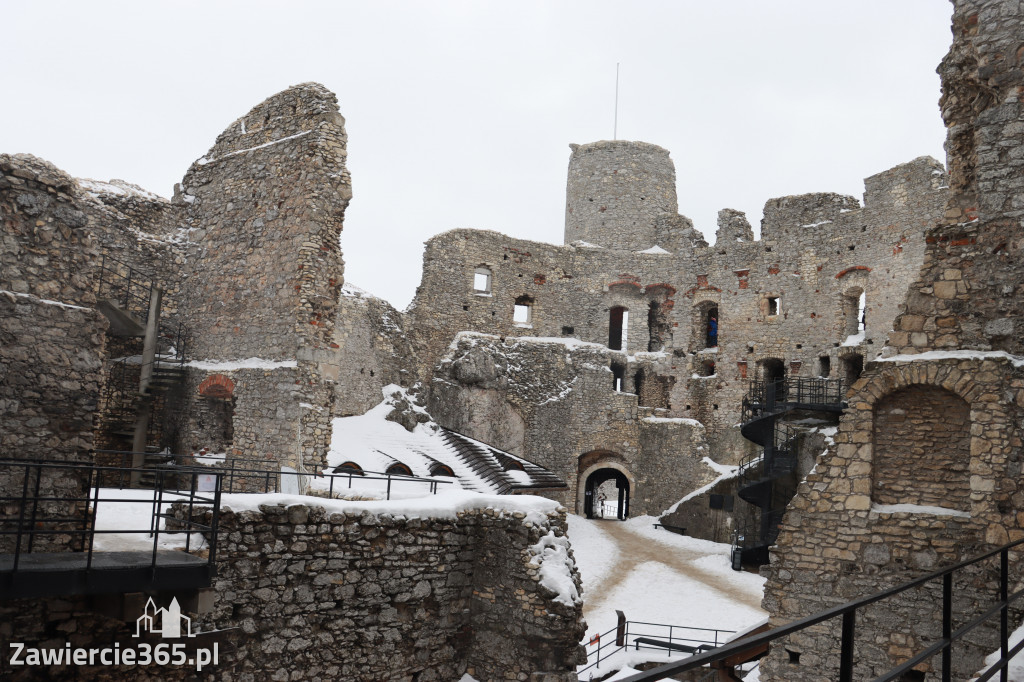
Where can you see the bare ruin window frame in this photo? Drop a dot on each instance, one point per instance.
(522, 311)
(773, 307)
(482, 278)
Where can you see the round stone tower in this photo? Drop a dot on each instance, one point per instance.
(617, 192)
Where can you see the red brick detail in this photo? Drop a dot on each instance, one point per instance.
(794, 367)
(742, 367)
(539, 279)
(847, 271)
(773, 269)
(217, 386)
(702, 281)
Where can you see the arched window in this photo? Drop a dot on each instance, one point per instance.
(618, 327)
(438, 469)
(349, 468)
(482, 280)
(398, 469)
(854, 311)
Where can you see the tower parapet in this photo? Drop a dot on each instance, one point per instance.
(616, 193)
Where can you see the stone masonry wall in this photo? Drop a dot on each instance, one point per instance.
(817, 254)
(265, 205)
(554, 403)
(359, 597)
(373, 351)
(953, 354)
(264, 208)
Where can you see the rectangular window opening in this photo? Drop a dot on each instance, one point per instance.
(774, 307)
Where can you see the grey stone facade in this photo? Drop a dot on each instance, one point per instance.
(355, 597)
(934, 422)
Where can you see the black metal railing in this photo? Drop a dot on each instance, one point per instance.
(942, 647)
(787, 394)
(126, 286)
(681, 640)
(50, 507)
(239, 475)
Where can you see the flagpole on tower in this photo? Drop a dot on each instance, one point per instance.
(615, 129)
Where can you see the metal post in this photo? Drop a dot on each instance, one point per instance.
(1004, 629)
(947, 627)
(846, 652)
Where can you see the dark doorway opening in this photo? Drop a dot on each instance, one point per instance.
(853, 366)
(611, 506)
(617, 317)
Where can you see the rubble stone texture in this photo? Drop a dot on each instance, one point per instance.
(817, 254)
(356, 597)
(927, 428)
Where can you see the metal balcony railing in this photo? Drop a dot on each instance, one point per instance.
(51, 543)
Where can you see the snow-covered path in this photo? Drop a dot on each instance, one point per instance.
(654, 576)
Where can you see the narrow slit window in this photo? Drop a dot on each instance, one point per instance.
(774, 306)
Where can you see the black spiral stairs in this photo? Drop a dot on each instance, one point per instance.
(768, 479)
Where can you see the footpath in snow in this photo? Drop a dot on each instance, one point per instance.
(655, 576)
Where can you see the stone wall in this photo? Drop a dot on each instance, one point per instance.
(817, 255)
(357, 596)
(373, 351)
(265, 206)
(264, 210)
(554, 403)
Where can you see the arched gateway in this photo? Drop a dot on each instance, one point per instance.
(603, 478)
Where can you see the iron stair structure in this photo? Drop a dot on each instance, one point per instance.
(147, 369)
(768, 479)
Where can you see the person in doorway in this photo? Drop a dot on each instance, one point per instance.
(600, 504)
(712, 331)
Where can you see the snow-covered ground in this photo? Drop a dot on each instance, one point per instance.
(655, 576)
(652, 575)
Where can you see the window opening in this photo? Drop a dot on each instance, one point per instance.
(568, 331)
(862, 312)
(774, 306)
(854, 366)
(441, 470)
(618, 328)
(707, 368)
(618, 376)
(482, 280)
(824, 366)
(349, 468)
(522, 314)
(398, 469)
(711, 328)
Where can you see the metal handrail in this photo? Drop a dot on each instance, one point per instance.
(848, 614)
(125, 285)
(44, 512)
(623, 637)
(268, 480)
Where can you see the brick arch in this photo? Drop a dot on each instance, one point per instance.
(949, 377)
(217, 386)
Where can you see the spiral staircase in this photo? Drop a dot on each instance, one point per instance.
(768, 479)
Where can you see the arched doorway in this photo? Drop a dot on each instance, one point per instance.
(598, 503)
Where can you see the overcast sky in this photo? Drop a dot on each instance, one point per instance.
(460, 113)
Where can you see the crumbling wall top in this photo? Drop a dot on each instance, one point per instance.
(804, 210)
